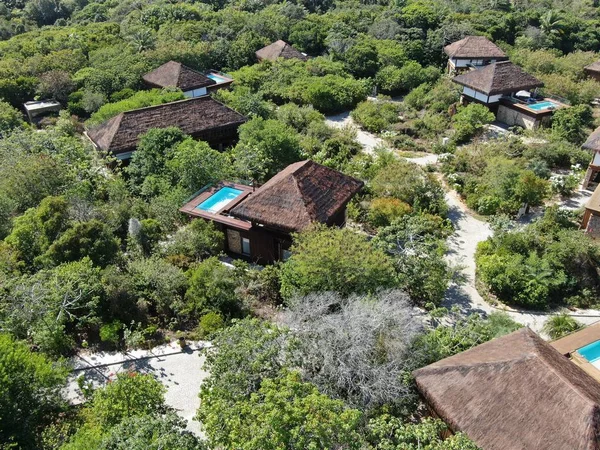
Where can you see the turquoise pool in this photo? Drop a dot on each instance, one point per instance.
(591, 352)
(217, 78)
(219, 199)
(543, 105)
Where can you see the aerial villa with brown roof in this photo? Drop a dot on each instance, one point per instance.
(190, 81)
(593, 145)
(506, 90)
(515, 392)
(593, 70)
(258, 223)
(472, 52)
(203, 118)
(591, 217)
(279, 49)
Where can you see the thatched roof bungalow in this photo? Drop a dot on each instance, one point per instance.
(515, 392)
(192, 82)
(593, 70)
(472, 51)
(258, 223)
(202, 118)
(592, 144)
(279, 49)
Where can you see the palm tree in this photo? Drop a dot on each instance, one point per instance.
(552, 23)
(561, 325)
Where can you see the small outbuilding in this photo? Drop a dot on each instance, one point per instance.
(280, 49)
(38, 109)
(593, 70)
(192, 82)
(509, 92)
(258, 223)
(203, 118)
(472, 52)
(514, 392)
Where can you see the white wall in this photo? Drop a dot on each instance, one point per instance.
(596, 160)
(195, 93)
(479, 96)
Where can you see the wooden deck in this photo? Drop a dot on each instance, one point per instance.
(578, 339)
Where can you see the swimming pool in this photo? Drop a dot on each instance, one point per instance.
(591, 352)
(219, 199)
(543, 105)
(218, 78)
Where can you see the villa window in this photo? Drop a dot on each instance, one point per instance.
(246, 246)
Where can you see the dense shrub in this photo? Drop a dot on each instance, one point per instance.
(375, 116)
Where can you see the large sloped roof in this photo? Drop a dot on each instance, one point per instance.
(594, 67)
(593, 141)
(279, 49)
(193, 116)
(515, 392)
(474, 47)
(302, 193)
(498, 78)
(175, 74)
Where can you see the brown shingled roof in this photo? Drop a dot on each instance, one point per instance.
(593, 141)
(196, 117)
(474, 47)
(515, 392)
(175, 74)
(594, 67)
(302, 193)
(279, 49)
(498, 78)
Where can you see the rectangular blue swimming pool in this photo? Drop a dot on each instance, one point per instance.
(591, 352)
(219, 199)
(543, 105)
(218, 78)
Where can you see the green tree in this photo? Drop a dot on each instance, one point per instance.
(92, 239)
(338, 260)
(469, 121)
(30, 393)
(560, 325)
(199, 240)
(571, 123)
(10, 118)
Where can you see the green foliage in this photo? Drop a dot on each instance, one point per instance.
(469, 121)
(210, 323)
(141, 99)
(10, 118)
(375, 116)
(212, 287)
(110, 333)
(389, 433)
(200, 239)
(30, 390)
(384, 211)
(92, 239)
(561, 325)
(338, 260)
(571, 124)
(393, 80)
(130, 395)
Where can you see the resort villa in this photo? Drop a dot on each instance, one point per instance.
(509, 92)
(190, 81)
(279, 49)
(202, 118)
(472, 52)
(592, 144)
(258, 223)
(519, 392)
(591, 217)
(593, 70)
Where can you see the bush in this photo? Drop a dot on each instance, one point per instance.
(110, 333)
(210, 324)
(470, 120)
(384, 211)
(392, 80)
(561, 325)
(571, 123)
(375, 116)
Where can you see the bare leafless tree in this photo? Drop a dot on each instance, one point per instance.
(356, 348)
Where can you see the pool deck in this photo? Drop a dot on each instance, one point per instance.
(526, 107)
(570, 343)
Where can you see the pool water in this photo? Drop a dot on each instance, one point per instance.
(217, 78)
(591, 352)
(543, 105)
(219, 199)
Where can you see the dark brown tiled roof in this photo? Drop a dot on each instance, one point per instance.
(594, 67)
(279, 49)
(474, 47)
(302, 193)
(175, 74)
(498, 78)
(515, 392)
(593, 141)
(194, 116)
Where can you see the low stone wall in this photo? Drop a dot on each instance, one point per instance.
(512, 117)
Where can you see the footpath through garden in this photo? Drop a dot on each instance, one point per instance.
(468, 232)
